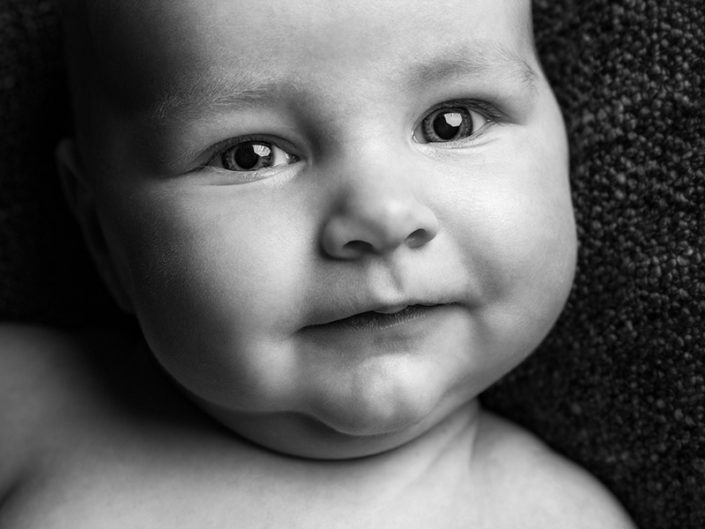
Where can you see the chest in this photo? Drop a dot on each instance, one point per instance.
(184, 495)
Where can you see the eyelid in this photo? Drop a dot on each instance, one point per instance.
(488, 110)
(222, 146)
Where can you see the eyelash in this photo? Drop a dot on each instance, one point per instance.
(220, 152)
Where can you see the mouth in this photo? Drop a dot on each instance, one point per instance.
(384, 317)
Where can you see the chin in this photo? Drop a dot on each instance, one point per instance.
(297, 435)
(373, 407)
(339, 429)
(369, 419)
(386, 397)
(376, 414)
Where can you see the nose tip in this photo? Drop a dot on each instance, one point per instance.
(377, 227)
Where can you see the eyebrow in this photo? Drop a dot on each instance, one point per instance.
(482, 59)
(220, 91)
(227, 91)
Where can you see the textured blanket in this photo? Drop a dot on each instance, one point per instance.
(619, 385)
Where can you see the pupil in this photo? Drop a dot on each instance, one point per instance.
(249, 155)
(447, 125)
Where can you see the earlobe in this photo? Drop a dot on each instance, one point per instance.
(81, 199)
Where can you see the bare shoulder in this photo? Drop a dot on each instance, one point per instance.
(45, 380)
(538, 487)
(35, 365)
(29, 350)
(39, 366)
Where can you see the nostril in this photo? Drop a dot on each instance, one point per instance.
(417, 238)
(358, 247)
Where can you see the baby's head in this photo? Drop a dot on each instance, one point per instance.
(336, 222)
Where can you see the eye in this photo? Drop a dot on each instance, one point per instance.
(254, 155)
(450, 123)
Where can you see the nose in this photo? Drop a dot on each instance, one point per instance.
(375, 218)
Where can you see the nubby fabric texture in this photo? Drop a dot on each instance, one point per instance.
(619, 385)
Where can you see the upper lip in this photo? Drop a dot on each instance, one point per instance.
(392, 309)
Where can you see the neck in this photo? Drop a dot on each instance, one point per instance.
(439, 450)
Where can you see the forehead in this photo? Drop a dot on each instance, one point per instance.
(144, 48)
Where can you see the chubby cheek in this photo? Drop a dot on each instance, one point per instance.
(522, 245)
(211, 274)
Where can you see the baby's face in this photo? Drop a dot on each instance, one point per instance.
(336, 223)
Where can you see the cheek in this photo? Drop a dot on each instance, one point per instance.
(534, 212)
(534, 244)
(215, 282)
(521, 243)
(214, 250)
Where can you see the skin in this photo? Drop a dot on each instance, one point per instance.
(237, 278)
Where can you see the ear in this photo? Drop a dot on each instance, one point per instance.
(80, 196)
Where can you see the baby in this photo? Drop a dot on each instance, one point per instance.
(336, 224)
